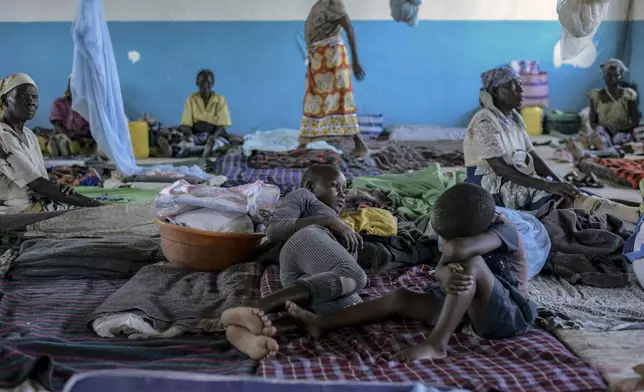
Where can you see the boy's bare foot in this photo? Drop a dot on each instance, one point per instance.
(256, 347)
(252, 319)
(304, 319)
(421, 351)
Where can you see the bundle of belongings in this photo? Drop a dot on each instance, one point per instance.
(242, 209)
(580, 20)
(405, 11)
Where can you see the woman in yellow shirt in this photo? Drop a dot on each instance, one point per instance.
(205, 114)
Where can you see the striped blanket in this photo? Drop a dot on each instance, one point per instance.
(43, 335)
(238, 171)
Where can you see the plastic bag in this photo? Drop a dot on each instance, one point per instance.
(534, 236)
(405, 11)
(580, 20)
(217, 221)
(181, 197)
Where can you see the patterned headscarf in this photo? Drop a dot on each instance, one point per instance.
(618, 64)
(498, 76)
(10, 82)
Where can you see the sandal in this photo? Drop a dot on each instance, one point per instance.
(574, 179)
(591, 181)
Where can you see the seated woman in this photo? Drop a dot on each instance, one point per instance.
(613, 110)
(500, 157)
(71, 130)
(205, 115)
(24, 183)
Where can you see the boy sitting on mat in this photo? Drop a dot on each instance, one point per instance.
(483, 272)
(318, 261)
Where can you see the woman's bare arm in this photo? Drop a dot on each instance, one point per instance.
(346, 24)
(45, 188)
(592, 115)
(511, 174)
(542, 168)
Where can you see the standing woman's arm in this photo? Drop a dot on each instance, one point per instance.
(346, 24)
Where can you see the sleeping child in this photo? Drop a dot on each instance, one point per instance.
(318, 261)
(483, 274)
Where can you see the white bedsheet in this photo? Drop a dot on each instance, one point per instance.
(424, 133)
(279, 140)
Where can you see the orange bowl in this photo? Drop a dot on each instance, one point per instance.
(205, 250)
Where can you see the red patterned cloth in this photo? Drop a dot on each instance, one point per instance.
(536, 361)
(626, 171)
(77, 125)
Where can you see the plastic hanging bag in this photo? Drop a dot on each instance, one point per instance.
(580, 20)
(181, 197)
(405, 11)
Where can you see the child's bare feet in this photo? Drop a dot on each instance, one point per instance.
(252, 319)
(304, 319)
(425, 350)
(256, 347)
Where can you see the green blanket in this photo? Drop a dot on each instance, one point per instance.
(412, 195)
(117, 195)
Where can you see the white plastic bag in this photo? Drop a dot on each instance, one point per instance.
(405, 11)
(580, 20)
(217, 221)
(181, 197)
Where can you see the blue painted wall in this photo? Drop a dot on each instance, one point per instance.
(637, 57)
(426, 74)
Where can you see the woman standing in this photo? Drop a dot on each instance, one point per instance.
(329, 107)
(500, 157)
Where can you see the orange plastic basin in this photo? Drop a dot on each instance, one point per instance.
(205, 250)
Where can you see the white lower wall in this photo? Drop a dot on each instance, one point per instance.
(270, 10)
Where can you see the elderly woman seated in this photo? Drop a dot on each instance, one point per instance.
(24, 183)
(71, 130)
(205, 115)
(613, 109)
(500, 157)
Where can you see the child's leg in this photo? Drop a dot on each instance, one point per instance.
(415, 305)
(315, 271)
(474, 301)
(313, 258)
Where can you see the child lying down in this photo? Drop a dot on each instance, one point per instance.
(484, 276)
(318, 261)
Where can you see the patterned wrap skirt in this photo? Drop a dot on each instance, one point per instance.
(329, 107)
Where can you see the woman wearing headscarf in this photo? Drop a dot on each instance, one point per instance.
(24, 183)
(500, 157)
(613, 109)
(329, 107)
(71, 130)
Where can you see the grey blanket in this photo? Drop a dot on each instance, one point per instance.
(586, 249)
(19, 222)
(168, 297)
(563, 305)
(115, 220)
(117, 257)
